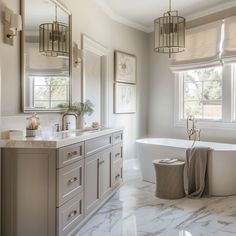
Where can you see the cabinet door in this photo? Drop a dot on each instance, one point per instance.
(105, 173)
(29, 192)
(91, 183)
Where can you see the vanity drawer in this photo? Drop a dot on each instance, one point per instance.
(97, 144)
(70, 215)
(117, 173)
(117, 137)
(70, 181)
(70, 154)
(117, 152)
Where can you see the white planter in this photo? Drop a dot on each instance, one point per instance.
(80, 122)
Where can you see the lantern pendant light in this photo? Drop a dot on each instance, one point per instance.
(54, 38)
(169, 32)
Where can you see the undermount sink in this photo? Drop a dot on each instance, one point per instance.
(95, 130)
(91, 130)
(68, 134)
(75, 133)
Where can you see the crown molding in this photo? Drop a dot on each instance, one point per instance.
(118, 18)
(219, 8)
(149, 29)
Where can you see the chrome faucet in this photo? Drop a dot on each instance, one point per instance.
(193, 131)
(65, 126)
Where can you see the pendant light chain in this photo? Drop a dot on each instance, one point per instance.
(56, 13)
(170, 5)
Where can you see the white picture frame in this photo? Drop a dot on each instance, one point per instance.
(125, 98)
(125, 67)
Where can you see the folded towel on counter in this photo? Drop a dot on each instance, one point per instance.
(198, 180)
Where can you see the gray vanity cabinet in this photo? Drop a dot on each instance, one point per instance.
(53, 192)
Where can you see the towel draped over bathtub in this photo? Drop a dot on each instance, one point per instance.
(198, 179)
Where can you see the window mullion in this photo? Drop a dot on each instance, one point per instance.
(227, 94)
(202, 105)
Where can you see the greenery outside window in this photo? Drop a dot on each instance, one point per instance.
(206, 93)
(50, 91)
(202, 93)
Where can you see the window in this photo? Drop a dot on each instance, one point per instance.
(206, 88)
(49, 92)
(208, 94)
(202, 93)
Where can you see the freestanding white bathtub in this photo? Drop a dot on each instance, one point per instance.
(221, 166)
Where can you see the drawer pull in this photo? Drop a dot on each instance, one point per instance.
(117, 154)
(72, 180)
(71, 154)
(117, 176)
(73, 213)
(101, 162)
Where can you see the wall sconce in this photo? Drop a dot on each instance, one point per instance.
(15, 25)
(77, 55)
(12, 25)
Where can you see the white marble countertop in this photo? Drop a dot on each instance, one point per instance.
(57, 140)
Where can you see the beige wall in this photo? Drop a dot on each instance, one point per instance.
(89, 19)
(10, 92)
(161, 103)
(211, 18)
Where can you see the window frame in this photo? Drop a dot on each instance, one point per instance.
(228, 120)
(50, 95)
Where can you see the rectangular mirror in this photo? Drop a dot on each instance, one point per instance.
(46, 55)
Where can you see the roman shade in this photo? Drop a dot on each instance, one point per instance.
(202, 48)
(229, 46)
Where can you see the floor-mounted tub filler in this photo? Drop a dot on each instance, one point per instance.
(221, 166)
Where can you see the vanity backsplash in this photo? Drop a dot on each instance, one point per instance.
(19, 123)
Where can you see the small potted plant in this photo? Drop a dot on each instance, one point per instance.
(80, 109)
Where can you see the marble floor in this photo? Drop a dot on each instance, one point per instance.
(135, 211)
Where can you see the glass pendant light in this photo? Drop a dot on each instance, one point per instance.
(54, 38)
(169, 32)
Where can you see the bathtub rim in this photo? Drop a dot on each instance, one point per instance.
(228, 146)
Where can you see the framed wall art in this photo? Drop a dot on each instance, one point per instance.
(124, 98)
(125, 67)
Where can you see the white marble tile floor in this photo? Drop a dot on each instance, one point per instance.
(135, 211)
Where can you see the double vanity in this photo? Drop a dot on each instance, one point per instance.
(53, 185)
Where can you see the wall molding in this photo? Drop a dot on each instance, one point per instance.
(88, 44)
(149, 29)
(120, 19)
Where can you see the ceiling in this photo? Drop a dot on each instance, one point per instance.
(42, 11)
(140, 14)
